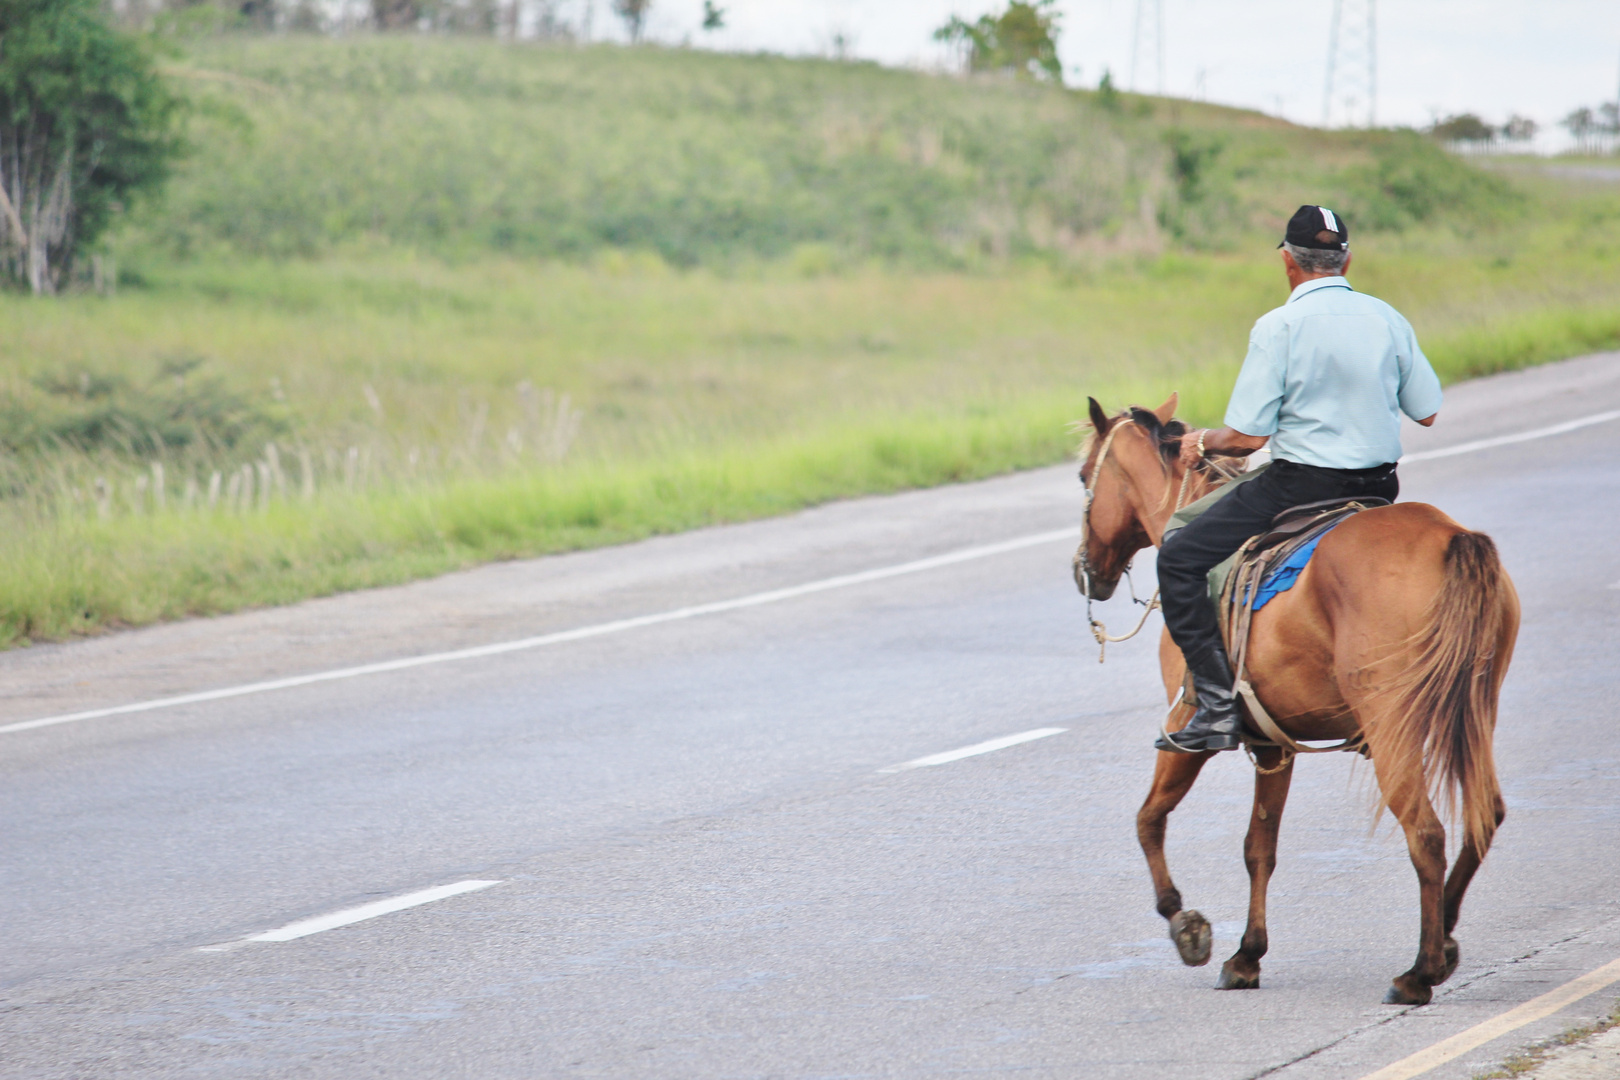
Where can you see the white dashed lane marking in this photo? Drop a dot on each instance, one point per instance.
(349, 916)
(976, 749)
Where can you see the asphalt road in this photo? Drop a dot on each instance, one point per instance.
(703, 871)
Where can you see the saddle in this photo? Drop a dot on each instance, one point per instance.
(1251, 568)
(1264, 566)
(1307, 519)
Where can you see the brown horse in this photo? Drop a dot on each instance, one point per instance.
(1399, 631)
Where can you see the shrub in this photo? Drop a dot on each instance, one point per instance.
(1410, 180)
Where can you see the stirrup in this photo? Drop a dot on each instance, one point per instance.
(1165, 742)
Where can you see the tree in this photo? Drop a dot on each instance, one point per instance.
(714, 18)
(1107, 93)
(1464, 127)
(259, 14)
(396, 14)
(1021, 40)
(634, 14)
(86, 125)
(1583, 125)
(1593, 128)
(1520, 129)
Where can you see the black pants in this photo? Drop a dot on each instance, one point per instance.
(1190, 553)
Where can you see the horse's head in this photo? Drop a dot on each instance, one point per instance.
(1131, 476)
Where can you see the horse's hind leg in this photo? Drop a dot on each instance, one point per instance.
(1426, 843)
(1462, 872)
(1173, 777)
(1242, 971)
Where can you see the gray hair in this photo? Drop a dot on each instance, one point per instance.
(1317, 261)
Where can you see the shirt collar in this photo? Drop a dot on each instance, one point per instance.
(1318, 283)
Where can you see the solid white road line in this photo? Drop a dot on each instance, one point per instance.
(306, 927)
(950, 558)
(1509, 440)
(977, 748)
(1538, 1008)
(754, 600)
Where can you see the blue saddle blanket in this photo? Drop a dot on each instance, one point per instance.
(1281, 577)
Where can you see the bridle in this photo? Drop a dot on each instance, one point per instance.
(1083, 559)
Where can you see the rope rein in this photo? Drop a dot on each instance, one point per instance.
(1099, 630)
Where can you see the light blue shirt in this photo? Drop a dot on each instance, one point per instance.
(1328, 375)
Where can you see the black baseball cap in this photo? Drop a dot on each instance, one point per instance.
(1317, 227)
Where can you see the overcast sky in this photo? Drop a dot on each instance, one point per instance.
(1540, 58)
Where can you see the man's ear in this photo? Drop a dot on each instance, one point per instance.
(1167, 411)
(1099, 419)
(1288, 261)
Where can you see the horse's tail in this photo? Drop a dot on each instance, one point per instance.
(1446, 701)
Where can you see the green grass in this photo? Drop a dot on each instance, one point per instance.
(439, 397)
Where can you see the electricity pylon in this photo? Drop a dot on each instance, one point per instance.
(1147, 40)
(1351, 96)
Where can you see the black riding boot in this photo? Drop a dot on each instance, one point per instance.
(1216, 724)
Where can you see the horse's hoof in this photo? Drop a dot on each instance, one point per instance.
(1230, 980)
(1193, 937)
(1452, 956)
(1400, 995)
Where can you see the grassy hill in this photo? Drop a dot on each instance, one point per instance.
(413, 303)
(457, 146)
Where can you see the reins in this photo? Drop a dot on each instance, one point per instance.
(1099, 630)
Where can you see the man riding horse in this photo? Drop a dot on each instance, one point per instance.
(1324, 383)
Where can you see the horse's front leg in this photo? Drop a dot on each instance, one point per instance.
(1173, 777)
(1242, 971)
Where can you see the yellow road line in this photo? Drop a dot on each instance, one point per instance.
(1497, 1026)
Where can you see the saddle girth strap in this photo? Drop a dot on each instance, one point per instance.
(1237, 611)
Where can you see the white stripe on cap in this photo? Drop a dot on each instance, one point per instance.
(1329, 220)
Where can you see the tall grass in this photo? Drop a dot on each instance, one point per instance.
(135, 569)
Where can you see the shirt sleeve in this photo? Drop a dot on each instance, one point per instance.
(1420, 394)
(1257, 396)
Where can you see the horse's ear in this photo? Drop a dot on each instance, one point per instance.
(1167, 411)
(1099, 419)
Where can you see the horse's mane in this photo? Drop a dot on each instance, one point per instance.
(1167, 437)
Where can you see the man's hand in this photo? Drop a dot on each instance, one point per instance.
(1190, 454)
(1228, 441)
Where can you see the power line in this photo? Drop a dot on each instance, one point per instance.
(1351, 93)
